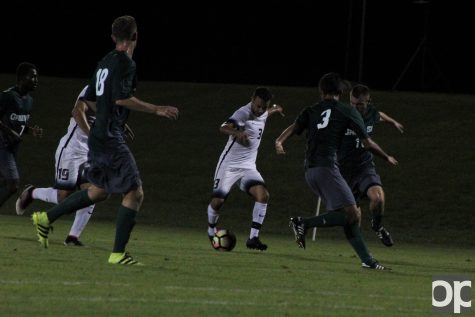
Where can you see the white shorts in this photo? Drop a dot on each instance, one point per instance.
(70, 168)
(226, 177)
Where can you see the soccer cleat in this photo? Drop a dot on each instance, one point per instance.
(375, 265)
(41, 223)
(256, 244)
(123, 259)
(24, 200)
(299, 231)
(385, 237)
(73, 241)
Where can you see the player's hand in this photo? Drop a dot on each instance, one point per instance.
(36, 131)
(167, 112)
(399, 126)
(242, 138)
(279, 148)
(391, 160)
(276, 108)
(129, 133)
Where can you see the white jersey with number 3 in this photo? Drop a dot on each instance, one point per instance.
(244, 156)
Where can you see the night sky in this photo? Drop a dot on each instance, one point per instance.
(249, 43)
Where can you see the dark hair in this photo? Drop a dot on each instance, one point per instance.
(23, 69)
(333, 84)
(124, 28)
(263, 93)
(359, 90)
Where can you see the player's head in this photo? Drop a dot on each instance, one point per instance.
(27, 76)
(360, 97)
(260, 100)
(124, 28)
(331, 84)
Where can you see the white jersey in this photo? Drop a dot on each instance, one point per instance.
(75, 139)
(237, 155)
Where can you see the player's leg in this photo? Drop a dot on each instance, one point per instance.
(253, 183)
(122, 176)
(376, 206)
(80, 221)
(9, 176)
(223, 181)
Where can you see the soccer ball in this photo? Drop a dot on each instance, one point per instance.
(224, 240)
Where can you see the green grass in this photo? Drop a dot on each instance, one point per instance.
(183, 276)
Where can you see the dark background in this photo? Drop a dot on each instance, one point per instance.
(289, 44)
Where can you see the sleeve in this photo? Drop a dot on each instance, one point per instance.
(357, 124)
(302, 121)
(238, 118)
(124, 86)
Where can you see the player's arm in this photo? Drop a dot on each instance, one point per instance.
(385, 118)
(275, 108)
(79, 115)
(372, 146)
(231, 128)
(136, 104)
(287, 133)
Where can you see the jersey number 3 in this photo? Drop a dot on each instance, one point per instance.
(325, 119)
(100, 78)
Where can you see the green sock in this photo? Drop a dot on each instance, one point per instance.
(124, 225)
(328, 219)
(353, 234)
(73, 202)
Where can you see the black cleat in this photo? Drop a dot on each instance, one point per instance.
(24, 200)
(256, 244)
(385, 237)
(374, 265)
(73, 241)
(299, 231)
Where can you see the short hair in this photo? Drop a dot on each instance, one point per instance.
(124, 28)
(263, 93)
(333, 84)
(359, 90)
(23, 69)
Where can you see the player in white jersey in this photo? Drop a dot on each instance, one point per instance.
(237, 163)
(71, 160)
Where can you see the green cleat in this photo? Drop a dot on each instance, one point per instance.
(122, 258)
(41, 223)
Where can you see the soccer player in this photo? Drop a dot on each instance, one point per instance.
(237, 163)
(112, 166)
(15, 107)
(70, 170)
(326, 123)
(357, 164)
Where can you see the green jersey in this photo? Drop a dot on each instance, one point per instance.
(114, 79)
(14, 114)
(326, 123)
(352, 154)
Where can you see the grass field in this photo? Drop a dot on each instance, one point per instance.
(183, 276)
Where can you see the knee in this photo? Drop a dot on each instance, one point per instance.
(353, 214)
(263, 198)
(217, 203)
(376, 195)
(139, 195)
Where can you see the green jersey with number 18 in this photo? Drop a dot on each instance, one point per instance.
(114, 79)
(326, 123)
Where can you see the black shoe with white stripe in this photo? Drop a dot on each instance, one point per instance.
(375, 265)
(299, 231)
(385, 237)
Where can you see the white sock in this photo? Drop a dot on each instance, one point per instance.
(49, 195)
(212, 220)
(258, 215)
(80, 221)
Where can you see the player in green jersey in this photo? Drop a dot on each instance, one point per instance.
(112, 167)
(325, 124)
(15, 111)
